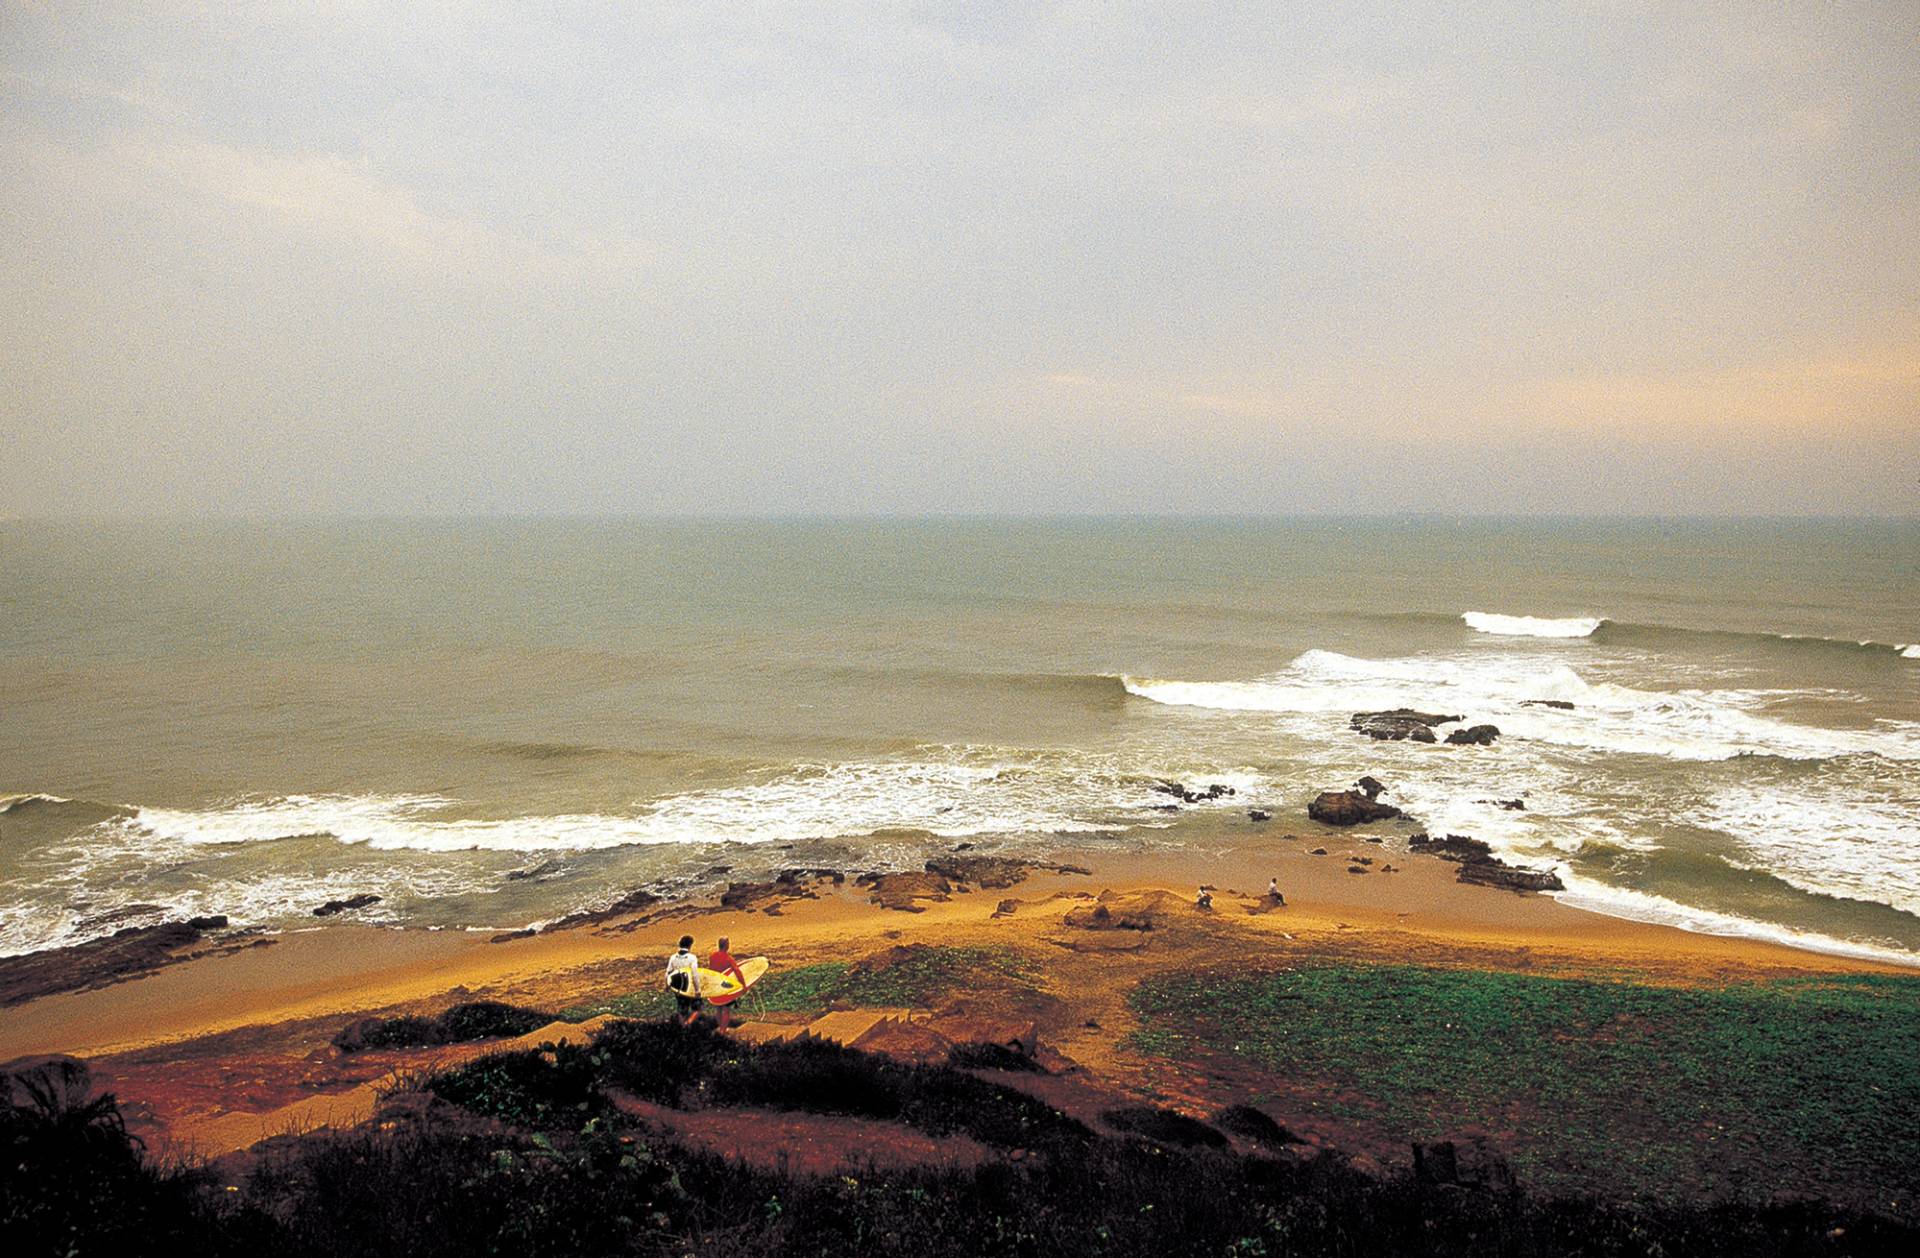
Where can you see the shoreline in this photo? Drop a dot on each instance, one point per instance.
(1418, 913)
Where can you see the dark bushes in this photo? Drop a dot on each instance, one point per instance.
(541, 1090)
(72, 1179)
(1164, 1126)
(448, 1191)
(992, 1057)
(826, 1078)
(1251, 1124)
(554, 1171)
(476, 1020)
(657, 1061)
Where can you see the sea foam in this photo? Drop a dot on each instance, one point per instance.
(1533, 626)
(1692, 724)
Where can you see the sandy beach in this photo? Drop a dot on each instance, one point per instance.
(167, 1041)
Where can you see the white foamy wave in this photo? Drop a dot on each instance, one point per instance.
(1640, 906)
(812, 801)
(1533, 626)
(1828, 841)
(1693, 724)
(1909, 652)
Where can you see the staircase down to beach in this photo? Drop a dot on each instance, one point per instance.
(844, 1026)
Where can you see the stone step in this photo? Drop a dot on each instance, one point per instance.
(845, 1026)
(766, 1032)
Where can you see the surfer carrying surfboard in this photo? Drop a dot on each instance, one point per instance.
(722, 962)
(683, 976)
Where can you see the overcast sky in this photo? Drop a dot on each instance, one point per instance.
(896, 257)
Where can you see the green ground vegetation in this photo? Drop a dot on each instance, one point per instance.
(917, 976)
(1802, 1085)
(536, 1152)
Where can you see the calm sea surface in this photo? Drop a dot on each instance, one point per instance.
(490, 723)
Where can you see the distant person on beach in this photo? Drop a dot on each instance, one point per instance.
(1205, 900)
(1273, 893)
(683, 976)
(722, 962)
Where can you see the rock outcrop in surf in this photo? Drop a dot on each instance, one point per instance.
(1478, 864)
(1398, 724)
(128, 953)
(1349, 808)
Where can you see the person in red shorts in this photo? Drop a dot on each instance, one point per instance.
(722, 962)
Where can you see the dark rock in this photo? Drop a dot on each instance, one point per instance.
(1434, 1163)
(1214, 790)
(507, 936)
(1479, 866)
(131, 952)
(1400, 723)
(1318, 851)
(1006, 908)
(1454, 847)
(1370, 786)
(1356, 869)
(535, 871)
(213, 921)
(360, 901)
(1509, 878)
(1259, 814)
(632, 902)
(1194, 795)
(813, 873)
(1560, 704)
(1164, 1127)
(903, 891)
(1255, 1125)
(1101, 917)
(746, 896)
(1474, 736)
(1465, 1164)
(991, 873)
(125, 916)
(1511, 805)
(1348, 808)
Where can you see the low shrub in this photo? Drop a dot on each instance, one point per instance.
(1164, 1126)
(535, 1089)
(659, 1061)
(475, 1020)
(992, 1057)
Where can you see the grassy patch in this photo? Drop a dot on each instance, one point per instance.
(923, 975)
(1624, 1086)
(917, 976)
(650, 1002)
(802, 989)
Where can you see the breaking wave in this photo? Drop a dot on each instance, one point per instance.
(1533, 626)
(1693, 724)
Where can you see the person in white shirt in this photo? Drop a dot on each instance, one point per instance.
(683, 976)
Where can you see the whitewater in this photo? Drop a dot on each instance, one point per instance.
(492, 724)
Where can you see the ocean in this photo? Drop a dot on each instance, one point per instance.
(491, 723)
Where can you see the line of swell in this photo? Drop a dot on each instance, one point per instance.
(1634, 633)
